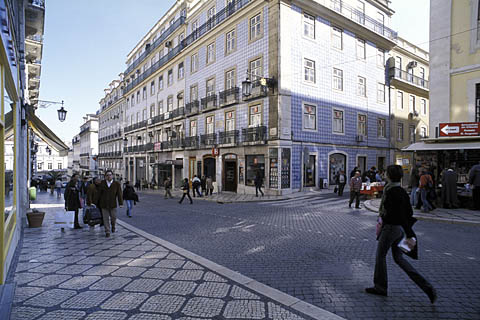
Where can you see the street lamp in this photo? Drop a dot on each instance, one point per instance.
(62, 113)
(48, 150)
(263, 81)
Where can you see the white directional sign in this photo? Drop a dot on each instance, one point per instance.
(450, 129)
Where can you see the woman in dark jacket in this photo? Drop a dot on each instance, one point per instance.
(397, 217)
(130, 197)
(186, 191)
(72, 198)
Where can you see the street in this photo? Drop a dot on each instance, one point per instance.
(322, 252)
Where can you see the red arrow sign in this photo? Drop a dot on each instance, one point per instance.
(459, 129)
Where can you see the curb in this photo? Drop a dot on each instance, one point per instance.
(269, 292)
(372, 208)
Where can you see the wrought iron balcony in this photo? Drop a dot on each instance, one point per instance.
(396, 73)
(229, 96)
(254, 134)
(179, 112)
(166, 145)
(219, 18)
(177, 143)
(84, 154)
(361, 18)
(192, 107)
(228, 137)
(158, 119)
(192, 142)
(209, 102)
(209, 139)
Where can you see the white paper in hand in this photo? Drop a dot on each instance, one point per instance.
(404, 246)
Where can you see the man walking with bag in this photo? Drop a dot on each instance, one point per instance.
(110, 193)
(72, 198)
(93, 192)
(355, 186)
(186, 191)
(168, 187)
(341, 180)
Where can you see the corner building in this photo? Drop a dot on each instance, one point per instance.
(316, 101)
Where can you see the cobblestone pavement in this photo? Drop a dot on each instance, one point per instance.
(80, 274)
(461, 216)
(320, 251)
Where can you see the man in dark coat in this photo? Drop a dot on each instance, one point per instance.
(449, 189)
(258, 183)
(110, 193)
(72, 198)
(340, 180)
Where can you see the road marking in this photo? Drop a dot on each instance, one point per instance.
(447, 253)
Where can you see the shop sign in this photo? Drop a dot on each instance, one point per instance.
(460, 129)
(215, 152)
(231, 156)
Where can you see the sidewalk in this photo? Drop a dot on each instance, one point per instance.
(80, 274)
(457, 216)
(231, 197)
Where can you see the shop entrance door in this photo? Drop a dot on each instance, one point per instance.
(140, 171)
(309, 172)
(362, 164)
(231, 175)
(337, 163)
(209, 168)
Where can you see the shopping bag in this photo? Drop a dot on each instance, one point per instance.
(65, 219)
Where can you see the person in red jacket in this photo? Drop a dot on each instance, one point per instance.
(426, 183)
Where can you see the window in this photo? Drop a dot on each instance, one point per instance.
(255, 165)
(381, 22)
(411, 103)
(138, 96)
(256, 69)
(256, 27)
(337, 121)
(309, 70)
(193, 93)
(132, 119)
(160, 83)
(400, 100)
(152, 111)
(411, 134)
(170, 77)
(152, 88)
(230, 42)
(181, 36)
(400, 131)
(230, 121)
(160, 107)
(424, 132)
(133, 100)
(255, 117)
(308, 26)
(422, 73)
(194, 62)
(360, 12)
(380, 92)
(144, 114)
(398, 63)
(210, 127)
(362, 125)
(169, 103)
(50, 166)
(210, 87)
(361, 54)
(193, 128)
(337, 79)
(361, 86)
(380, 58)
(211, 13)
(211, 53)
(144, 93)
(337, 38)
(423, 107)
(39, 166)
(229, 79)
(180, 71)
(59, 166)
(381, 128)
(410, 74)
(194, 26)
(128, 103)
(309, 117)
(180, 100)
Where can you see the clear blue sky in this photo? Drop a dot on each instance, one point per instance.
(87, 41)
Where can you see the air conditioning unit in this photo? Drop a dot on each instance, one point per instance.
(168, 44)
(412, 64)
(360, 138)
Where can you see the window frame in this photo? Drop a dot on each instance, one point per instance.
(194, 63)
(381, 128)
(226, 120)
(314, 115)
(308, 70)
(364, 51)
(365, 124)
(400, 137)
(181, 75)
(343, 121)
(337, 77)
(152, 87)
(399, 94)
(333, 36)
(207, 92)
(306, 21)
(381, 86)
(359, 86)
(232, 41)
(234, 78)
(211, 47)
(212, 116)
(258, 36)
(256, 115)
(423, 107)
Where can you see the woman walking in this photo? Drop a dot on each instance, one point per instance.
(186, 191)
(396, 215)
(130, 197)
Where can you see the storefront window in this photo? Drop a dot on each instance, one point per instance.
(273, 175)
(255, 163)
(285, 168)
(337, 163)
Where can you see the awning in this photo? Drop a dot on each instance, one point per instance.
(422, 146)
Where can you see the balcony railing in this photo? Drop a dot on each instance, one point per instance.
(178, 112)
(179, 22)
(359, 17)
(209, 139)
(209, 102)
(115, 135)
(84, 154)
(408, 77)
(229, 96)
(192, 142)
(192, 107)
(228, 137)
(158, 119)
(192, 37)
(36, 38)
(254, 134)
